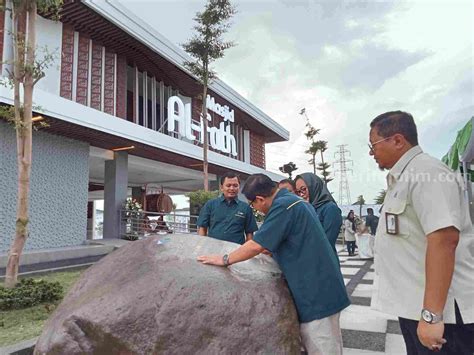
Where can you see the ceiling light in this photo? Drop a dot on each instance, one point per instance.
(123, 148)
(37, 118)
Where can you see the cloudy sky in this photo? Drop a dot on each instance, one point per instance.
(345, 62)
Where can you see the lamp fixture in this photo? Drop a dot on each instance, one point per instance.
(123, 148)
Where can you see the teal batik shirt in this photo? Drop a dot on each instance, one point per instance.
(227, 220)
(293, 233)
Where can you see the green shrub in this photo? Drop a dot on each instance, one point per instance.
(197, 199)
(200, 197)
(29, 292)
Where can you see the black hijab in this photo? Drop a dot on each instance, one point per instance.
(318, 192)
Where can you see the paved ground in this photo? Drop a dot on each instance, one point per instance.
(364, 330)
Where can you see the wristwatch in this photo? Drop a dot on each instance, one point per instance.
(225, 259)
(430, 317)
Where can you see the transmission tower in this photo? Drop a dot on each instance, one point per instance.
(342, 169)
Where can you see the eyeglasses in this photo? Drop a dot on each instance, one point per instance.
(252, 202)
(301, 190)
(371, 146)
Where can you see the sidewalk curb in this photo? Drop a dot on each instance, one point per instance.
(24, 347)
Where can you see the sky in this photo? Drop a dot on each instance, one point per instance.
(345, 62)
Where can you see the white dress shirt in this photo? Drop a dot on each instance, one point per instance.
(425, 196)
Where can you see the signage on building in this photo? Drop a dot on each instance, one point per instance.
(219, 138)
(222, 111)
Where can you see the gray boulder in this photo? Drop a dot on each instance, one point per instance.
(152, 297)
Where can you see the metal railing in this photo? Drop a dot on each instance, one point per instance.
(135, 224)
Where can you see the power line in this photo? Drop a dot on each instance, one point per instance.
(344, 192)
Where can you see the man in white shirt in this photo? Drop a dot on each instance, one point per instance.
(424, 248)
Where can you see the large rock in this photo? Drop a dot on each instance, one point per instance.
(153, 297)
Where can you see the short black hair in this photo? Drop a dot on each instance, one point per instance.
(258, 185)
(288, 181)
(393, 122)
(370, 210)
(229, 175)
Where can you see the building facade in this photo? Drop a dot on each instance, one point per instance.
(121, 112)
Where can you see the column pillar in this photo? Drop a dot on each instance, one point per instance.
(115, 193)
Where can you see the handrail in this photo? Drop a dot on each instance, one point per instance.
(139, 224)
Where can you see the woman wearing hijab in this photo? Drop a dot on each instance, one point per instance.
(311, 188)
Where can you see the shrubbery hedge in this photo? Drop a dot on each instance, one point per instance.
(29, 292)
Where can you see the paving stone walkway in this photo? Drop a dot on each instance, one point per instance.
(365, 331)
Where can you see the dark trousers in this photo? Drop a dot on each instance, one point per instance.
(459, 337)
(351, 247)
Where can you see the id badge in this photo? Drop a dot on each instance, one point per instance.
(391, 223)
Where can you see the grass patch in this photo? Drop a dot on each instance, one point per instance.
(23, 324)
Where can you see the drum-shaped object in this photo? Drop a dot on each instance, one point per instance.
(161, 203)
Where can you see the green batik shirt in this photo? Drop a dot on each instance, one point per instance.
(227, 220)
(293, 233)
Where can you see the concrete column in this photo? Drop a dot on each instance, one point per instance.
(115, 193)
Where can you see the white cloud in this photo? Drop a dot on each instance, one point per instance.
(346, 62)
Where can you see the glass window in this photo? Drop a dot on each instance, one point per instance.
(140, 99)
(240, 143)
(130, 92)
(166, 95)
(149, 103)
(158, 107)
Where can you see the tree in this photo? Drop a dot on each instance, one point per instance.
(310, 134)
(206, 46)
(360, 201)
(27, 71)
(288, 168)
(381, 197)
(323, 166)
(325, 173)
(312, 150)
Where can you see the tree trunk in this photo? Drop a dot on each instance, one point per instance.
(23, 135)
(314, 163)
(205, 145)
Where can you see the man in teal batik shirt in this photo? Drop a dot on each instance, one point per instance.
(295, 237)
(226, 217)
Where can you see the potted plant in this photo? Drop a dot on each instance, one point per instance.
(133, 215)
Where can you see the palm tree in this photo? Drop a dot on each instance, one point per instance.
(360, 201)
(381, 197)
